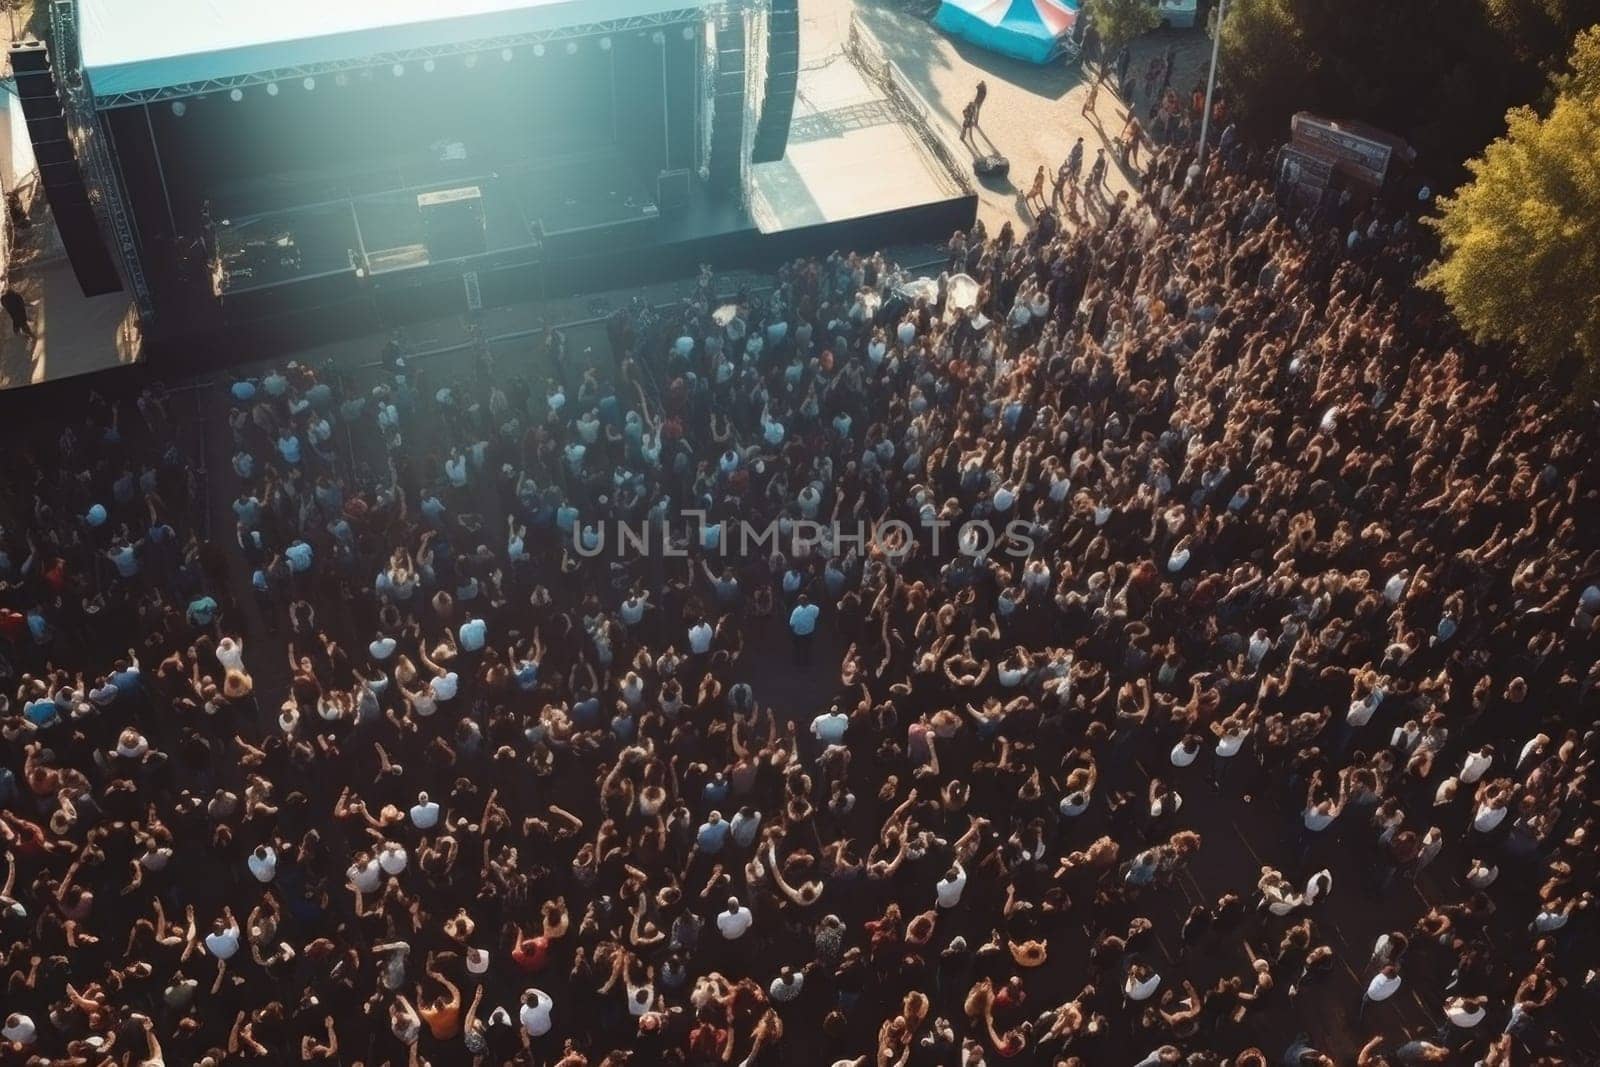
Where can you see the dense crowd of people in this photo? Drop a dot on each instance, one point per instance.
(422, 761)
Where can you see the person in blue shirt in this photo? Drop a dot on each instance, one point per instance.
(299, 556)
(203, 611)
(39, 627)
(803, 625)
(473, 633)
(713, 834)
(126, 677)
(42, 713)
(715, 790)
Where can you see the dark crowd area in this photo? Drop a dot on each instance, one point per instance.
(341, 723)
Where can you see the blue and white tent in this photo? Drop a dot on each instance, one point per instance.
(1033, 30)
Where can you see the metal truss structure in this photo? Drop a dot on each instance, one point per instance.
(755, 93)
(93, 152)
(675, 17)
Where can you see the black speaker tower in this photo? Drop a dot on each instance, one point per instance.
(727, 110)
(783, 78)
(58, 170)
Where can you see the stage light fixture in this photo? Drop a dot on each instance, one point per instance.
(179, 107)
(471, 60)
(236, 95)
(572, 48)
(506, 54)
(272, 88)
(688, 33)
(310, 84)
(605, 44)
(427, 66)
(341, 79)
(658, 38)
(399, 70)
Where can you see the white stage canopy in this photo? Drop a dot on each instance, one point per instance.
(133, 47)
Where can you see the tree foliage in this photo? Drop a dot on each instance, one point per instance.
(1120, 21)
(1521, 240)
(1440, 73)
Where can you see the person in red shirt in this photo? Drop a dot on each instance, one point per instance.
(13, 625)
(531, 954)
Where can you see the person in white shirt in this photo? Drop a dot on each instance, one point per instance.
(831, 726)
(1491, 810)
(1230, 739)
(951, 886)
(230, 653)
(1186, 751)
(20, 1030)
(1361, 710)
(700, 635)
(1141, 983)
(535, 1012)
(392, 859)
(787, 987)
(736, 921)
(1432, 845)
(1481, 875)
(424, 813)
(1384, 985)
(1476, 765)
(263, 863)
(223, 940)
(1314, 820)
(365, 874)
(1466, 1012)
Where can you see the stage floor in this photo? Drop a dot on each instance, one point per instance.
(856, 175)
(851, 155)
(74, 334)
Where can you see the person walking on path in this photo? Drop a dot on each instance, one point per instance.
(1097, 174)
(17, 308)
(979, 95)
(1090, 100)
(1036, 191)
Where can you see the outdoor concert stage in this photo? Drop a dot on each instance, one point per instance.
(274, 175)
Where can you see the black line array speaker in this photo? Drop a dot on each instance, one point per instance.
(727, 109)
(59, 172)
(783, 79)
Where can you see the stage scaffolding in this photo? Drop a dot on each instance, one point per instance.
(89, 142)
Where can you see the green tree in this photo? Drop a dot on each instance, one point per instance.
(1440, 73)
(1120, 21)
(1521, 255)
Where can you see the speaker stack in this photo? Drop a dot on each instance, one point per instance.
(452, 223)
(727, 110)
(783, 79)
(672, 190)
(63, 183)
